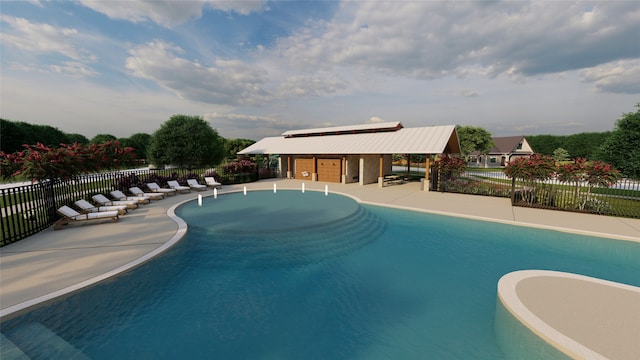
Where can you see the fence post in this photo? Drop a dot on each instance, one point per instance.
(513, 190)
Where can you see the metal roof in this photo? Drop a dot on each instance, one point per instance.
(422, 140)
(387, 126)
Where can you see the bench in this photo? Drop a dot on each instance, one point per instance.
(393, 180)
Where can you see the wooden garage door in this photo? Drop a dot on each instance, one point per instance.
(304, 167)
(329, 170)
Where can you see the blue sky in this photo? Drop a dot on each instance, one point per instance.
(258, 68)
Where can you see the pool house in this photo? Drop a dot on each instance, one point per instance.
(354, 154)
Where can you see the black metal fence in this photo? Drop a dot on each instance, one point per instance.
(621, 199)
(28, 209)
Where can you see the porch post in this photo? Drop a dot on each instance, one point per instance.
(314, 175)
(289, 167)
(380, 172)
(343, 177)
(427, 163)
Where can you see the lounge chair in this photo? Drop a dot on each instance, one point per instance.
(104, 201)
(211, 182)
(71, 216)
(193, 184)
(87, 207)
(138, 192)
(174, 185)
(119, 195)
(157, 189)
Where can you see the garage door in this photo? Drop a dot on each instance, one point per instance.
(304, 167)
(329, 170)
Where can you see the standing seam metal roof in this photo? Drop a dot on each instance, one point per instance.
(422, 140)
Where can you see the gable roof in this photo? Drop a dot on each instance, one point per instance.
(506, 144)
(422, 140)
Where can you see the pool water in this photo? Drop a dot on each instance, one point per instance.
(306, 276)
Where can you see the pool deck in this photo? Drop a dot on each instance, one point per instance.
(54, 262)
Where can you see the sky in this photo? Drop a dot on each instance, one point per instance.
(254, 68)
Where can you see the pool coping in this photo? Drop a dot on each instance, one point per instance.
(509, 297)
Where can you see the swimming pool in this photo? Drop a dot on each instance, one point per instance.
(292, 275)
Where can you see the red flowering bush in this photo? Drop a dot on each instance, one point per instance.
(40, 162)
(239, 167)
(531, 169)
(535, 167)
(601, 174)
(580, 173)
(451, 166)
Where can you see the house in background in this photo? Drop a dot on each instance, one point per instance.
(505, 150)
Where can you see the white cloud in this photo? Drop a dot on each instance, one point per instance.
(376, 120)
(169, 13)
(301, 85)
(427, 40)
(616, 77)
(71, 68)
(230, 82)
(43, 38)
(235, 125)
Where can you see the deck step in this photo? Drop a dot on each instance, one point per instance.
(39, 342)
(9, 350)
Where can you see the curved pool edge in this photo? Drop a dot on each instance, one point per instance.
(515, 305)
(506, 222)
(16, 309)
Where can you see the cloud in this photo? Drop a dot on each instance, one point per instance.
(230, 82)
(235, 125)
(170, 13)
(428, 40)
(615, 77)
(301, 85)
(71, 68)
(42, 38)
(376, 120)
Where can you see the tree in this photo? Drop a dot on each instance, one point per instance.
(474, 139)
(530, 169)
(187, 142)
(101, 138)
(622, 148)
(545, 144)
(233, 146)
(584, 145)
(592, 173)
(77, 138)
(140, 142)
(12, 136)
(560, 154)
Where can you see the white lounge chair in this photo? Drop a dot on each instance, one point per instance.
(211, 182)
(104, 201)
(174, 185)
(119, 195)
(156, 188)
(71, 216)
(193, 184)
(138, 192)
(87, 207)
